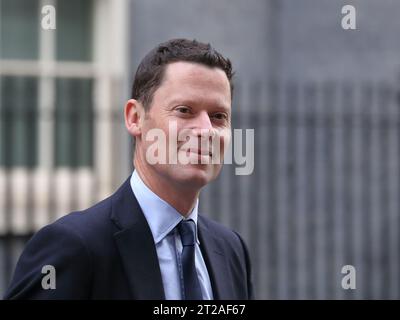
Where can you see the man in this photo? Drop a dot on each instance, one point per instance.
(147, 241)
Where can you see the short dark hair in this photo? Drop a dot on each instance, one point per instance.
(150, 71)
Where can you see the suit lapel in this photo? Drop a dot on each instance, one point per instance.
(215, 259)
(136, 246)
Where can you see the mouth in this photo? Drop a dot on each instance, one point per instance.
(199, 152)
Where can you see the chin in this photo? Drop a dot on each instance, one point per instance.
(194, 175)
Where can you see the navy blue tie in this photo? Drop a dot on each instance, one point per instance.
(191, 286)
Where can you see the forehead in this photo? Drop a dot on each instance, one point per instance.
(195, 81)
(186, 69)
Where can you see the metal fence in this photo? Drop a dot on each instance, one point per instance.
(324, 192)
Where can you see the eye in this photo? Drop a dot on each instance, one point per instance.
(183, 109)
(220, 116)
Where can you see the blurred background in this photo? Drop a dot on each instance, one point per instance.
(323, 101)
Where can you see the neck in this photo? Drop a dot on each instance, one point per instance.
(181, 198)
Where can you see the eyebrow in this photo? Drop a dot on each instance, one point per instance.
(175, 102)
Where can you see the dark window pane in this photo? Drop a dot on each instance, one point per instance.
(74, 122)
(18, 121)
(19, 29)
(74, 30)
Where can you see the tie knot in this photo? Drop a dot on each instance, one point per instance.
(187, 231)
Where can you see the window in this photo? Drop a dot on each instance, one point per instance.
(58, 135)
(73, 122)
(19, 32)
(46, 85)
(74, 35)
(18, 127)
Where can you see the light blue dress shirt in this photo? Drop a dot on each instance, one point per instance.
(162, 219)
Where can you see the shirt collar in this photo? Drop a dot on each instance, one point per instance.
(160, 215)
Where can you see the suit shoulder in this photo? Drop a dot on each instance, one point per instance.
(220, 229)
(88, 222)
(98, 211)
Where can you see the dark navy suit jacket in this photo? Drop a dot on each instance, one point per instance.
(108, 252)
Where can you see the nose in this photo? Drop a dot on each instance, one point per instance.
(202, 125)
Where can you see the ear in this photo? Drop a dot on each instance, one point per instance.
(133, 113)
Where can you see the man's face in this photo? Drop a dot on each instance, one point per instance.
(197, 100)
